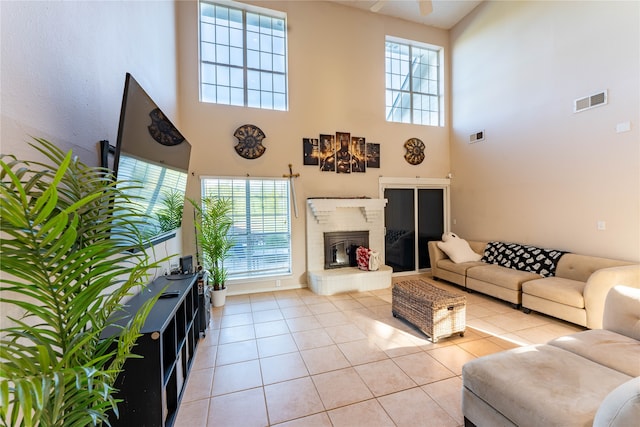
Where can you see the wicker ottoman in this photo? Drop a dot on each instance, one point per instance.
(436, 312)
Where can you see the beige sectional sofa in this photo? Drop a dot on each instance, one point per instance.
(584, 379)
(576, 292)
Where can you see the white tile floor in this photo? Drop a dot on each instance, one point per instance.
(294, 358)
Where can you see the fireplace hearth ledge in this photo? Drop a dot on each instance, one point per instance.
(348, 279)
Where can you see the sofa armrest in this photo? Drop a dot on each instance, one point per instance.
(621, 407)
(598, 286)
(435, 255)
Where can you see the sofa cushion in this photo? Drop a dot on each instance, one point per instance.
(607, 348)
(563, 291)
(457, 249)
(500, 276)
(523, 257)
(541, 385)
(460, 268)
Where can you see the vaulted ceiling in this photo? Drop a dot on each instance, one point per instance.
(445, 13)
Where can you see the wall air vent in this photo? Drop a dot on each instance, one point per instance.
(590, 101)
(476, 137)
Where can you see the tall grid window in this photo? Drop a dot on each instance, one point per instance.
(261, 229)
(413, 86)
(243, 57)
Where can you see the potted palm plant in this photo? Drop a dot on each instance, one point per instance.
(212, 222)
(64, 275)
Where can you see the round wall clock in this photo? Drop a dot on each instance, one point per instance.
(162, 130)
(415, 151)
(249, 141)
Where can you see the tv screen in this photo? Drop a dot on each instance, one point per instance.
(151, 161)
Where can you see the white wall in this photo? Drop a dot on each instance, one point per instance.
(63, 70)
(545, 175)
(64, 65)
(336, 83)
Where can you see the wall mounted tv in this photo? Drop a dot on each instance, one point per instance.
(152, 158)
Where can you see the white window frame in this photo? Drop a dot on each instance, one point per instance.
(253, 256)
(404, 100)
(255, 68)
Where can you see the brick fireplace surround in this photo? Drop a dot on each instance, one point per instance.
(344, 214)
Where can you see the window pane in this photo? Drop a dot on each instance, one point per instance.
(247, 41)
(223, 75)
(253, 79)
(265, 61)
(261, 228)
(279, 101)
(236, 77)
(207, 11)
(222, 95)
(235, 37)
(253, 59)
(279, 84)
(208, 73)
(253, 41)
(208, 52)
(236, 57)
(279, 64)
(208, 93)
(222, 35)
(237, 96)
(253, 22)
(266, 99)
(278, 45)
(253, 98)
(266, 82)
(265, 43)
(235, 18)
(411, 70)
(207, 32)
(222, 54)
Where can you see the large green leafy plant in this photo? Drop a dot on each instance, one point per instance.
(68, 275)
(213, 221)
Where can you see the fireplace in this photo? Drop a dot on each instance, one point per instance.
(340, 247)
(326, 216)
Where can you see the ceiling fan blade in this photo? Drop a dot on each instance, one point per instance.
(426, 7)
(377, 6)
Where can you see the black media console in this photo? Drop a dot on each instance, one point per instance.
(151, 387)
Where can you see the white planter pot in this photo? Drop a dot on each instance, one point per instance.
(218, 297)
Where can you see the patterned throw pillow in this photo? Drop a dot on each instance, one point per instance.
(523, 257)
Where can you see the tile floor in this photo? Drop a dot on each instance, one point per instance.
(294, 358)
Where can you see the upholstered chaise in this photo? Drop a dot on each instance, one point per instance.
(569, 381)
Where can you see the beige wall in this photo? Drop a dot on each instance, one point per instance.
(545, 175)
(336, 83)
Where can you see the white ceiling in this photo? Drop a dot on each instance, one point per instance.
(446, 13)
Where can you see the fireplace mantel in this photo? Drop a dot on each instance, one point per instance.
(322, 208)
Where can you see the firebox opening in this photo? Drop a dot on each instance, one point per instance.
(340, 248)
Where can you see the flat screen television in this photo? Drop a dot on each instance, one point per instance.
(151, 153)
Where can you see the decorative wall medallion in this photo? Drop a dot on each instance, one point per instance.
(162, 130)
(249, 141)
(415, 151)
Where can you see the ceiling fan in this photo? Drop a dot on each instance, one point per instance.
(425, 6)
